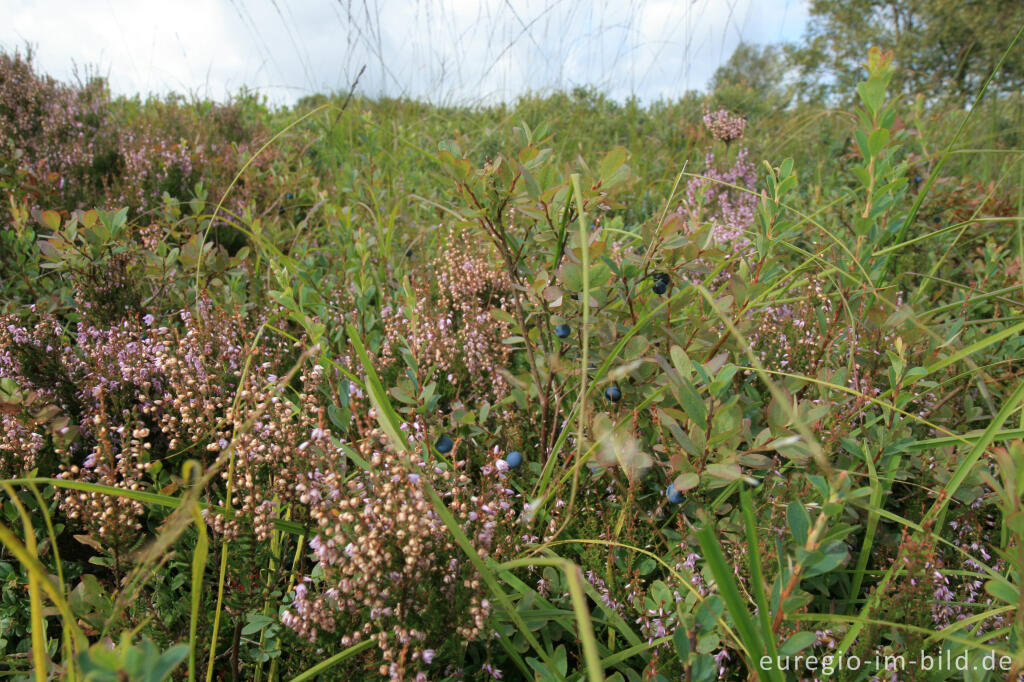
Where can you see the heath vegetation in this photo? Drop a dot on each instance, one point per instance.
(560, 389)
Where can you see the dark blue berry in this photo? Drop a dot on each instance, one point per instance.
(562, 331)
(673, 495)
(613, 393)
(659, 288)
(514, 459)
(289, 196)
(444, 444)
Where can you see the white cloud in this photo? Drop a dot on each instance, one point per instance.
(441, 50)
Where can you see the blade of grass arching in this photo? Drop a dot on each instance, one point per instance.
(584, 354)
(976, 297)
(967, 622)
(388, 419)
(199, 557)
(574, 576)
(968, 439)
(71, 671)
(936, 513)
(756, 574)
(313, 672)
(36, 619)
(1011, 405)
(390, 423)
(941, 231)
(906, 627)
(150, 499)
(869, 529)
(238, 176)
(58, 565)
(753, 642)
(636, 650)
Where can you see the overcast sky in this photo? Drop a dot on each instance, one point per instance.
(454, 51)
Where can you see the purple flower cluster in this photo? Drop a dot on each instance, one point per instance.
(724, 125)
(388, 569)
(726, 199)
(449, 326)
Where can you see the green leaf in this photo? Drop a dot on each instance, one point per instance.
(612, 161)
(51, 219)
(872, 94)
(730, 471)
(682, 642)
(797, 643)
(167, 662)
(687, 481)
(799, 521)
(1003, 590)
(692, 403)
(877, 141)
(682, 361)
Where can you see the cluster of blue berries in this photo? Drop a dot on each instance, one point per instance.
(661, 282)
(445, 444)
(674, 496)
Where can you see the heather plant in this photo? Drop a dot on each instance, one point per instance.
(724, 126)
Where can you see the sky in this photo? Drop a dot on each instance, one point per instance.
(442, 51)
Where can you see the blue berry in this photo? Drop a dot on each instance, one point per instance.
(673, 495)
(659, 288)
(289, 196)
(444, 444)
(562, 331)
(613, 393)
(514, 459)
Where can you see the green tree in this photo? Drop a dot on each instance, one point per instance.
(754, 81)
(942, 48)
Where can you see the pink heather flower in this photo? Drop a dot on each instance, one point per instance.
(720, 659)
(492, 671)
(724, 125)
